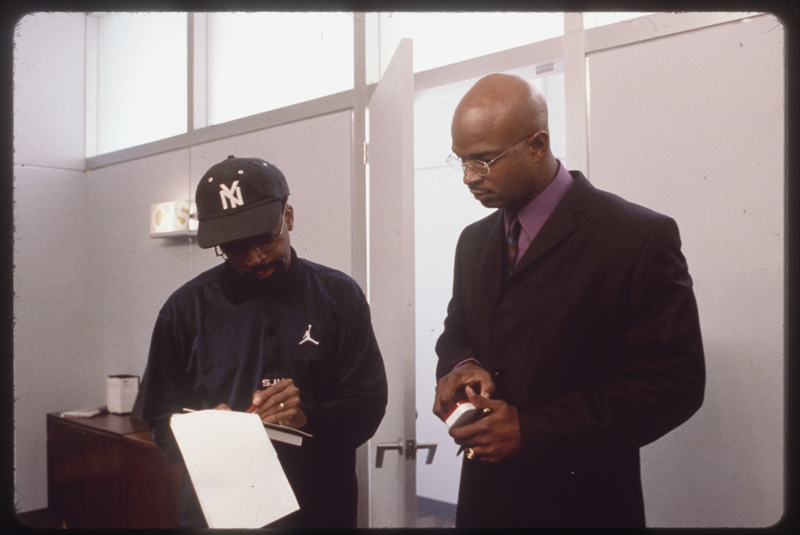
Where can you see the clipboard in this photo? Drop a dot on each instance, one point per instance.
(234, 468)
(284, 433)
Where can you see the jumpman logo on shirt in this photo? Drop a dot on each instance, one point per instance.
(307, 337)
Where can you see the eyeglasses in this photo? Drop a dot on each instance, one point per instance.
(478, 167)
(239, 249)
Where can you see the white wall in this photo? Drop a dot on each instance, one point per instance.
(132, 274)
(692, 125)
(49, 70)
(52, 346)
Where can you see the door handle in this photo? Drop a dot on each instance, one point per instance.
(382, 448)
(412, 447)
(431, 447)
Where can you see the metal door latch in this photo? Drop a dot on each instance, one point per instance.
(382, 448)
(412, 447)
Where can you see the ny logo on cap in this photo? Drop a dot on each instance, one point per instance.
(234, 194)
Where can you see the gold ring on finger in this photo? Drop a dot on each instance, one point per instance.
(281, 405)
(470, 454)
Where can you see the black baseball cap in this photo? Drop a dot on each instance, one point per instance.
(239, 198)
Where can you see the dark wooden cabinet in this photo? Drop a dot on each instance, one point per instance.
(106, 472)
(150, 486)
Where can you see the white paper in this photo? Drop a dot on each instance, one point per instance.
(82, 413)
(234, 469)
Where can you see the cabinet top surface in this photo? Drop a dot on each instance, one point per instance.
(120, 424)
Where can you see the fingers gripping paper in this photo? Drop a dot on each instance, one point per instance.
(234, 469)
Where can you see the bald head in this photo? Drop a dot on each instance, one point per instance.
(502, 122)
(502, 104)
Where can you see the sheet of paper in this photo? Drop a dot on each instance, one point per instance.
(234, 468)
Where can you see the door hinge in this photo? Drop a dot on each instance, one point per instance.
(365, 155)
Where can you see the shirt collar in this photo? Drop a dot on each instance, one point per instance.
(533, 215)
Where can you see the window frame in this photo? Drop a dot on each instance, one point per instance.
(572, 47)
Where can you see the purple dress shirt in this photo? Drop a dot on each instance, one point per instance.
(534, 215)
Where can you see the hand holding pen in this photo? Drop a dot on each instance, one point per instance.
(280, 404)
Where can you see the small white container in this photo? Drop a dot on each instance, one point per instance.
(121, 393)
(462, 413)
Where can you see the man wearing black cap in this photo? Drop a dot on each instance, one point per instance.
(290, 339)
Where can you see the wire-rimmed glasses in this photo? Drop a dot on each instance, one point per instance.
(238, 250)
(478, 167)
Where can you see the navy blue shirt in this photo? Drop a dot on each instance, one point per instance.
(218, 337)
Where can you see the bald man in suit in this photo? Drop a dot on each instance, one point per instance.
(580, 342)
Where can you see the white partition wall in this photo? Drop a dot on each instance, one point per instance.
(691, 125)
(50, 210)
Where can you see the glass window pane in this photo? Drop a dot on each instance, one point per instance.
(444, 38)
(593, 20)
(141, 78)
(263, 61)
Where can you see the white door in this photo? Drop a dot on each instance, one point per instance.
(390, 179)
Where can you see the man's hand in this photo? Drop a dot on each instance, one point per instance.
(494, 437)
(280, 403)
(450, 388)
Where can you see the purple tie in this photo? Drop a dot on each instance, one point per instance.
(513, 240)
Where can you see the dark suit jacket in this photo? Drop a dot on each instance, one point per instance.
(595, 339)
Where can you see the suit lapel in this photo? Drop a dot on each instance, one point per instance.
(490, 275)
(561, 223)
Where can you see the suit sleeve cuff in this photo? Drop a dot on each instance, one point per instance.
(453, 358)
(476, 361)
